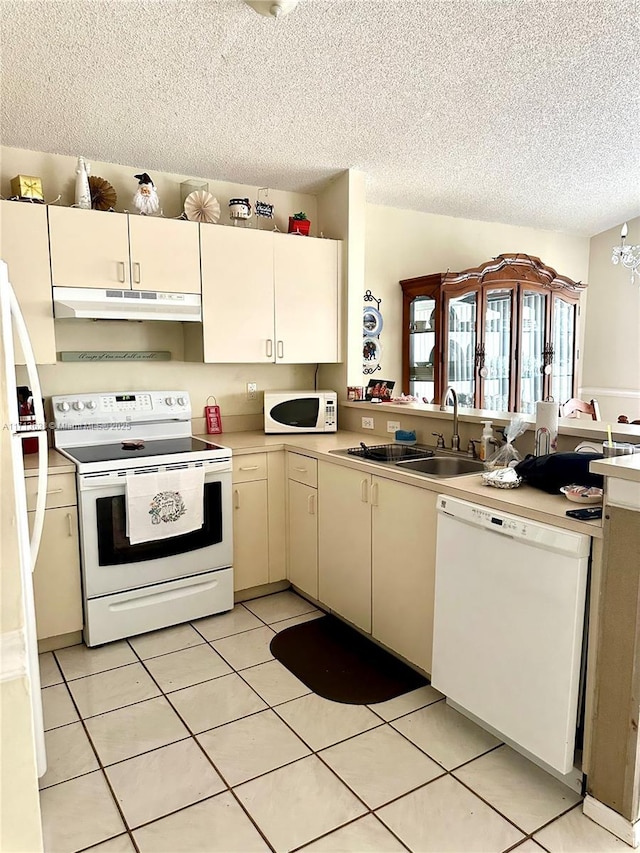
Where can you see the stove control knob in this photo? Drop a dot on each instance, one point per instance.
(78, 405)
(170, 401)
(91, 404)
(182, 401)
(63, 407)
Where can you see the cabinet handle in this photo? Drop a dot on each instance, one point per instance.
(121, 272)
(280, 346)
(136, 273)
(302, 470)
(311, 504)
(364, 491)
(54, 491)
(249, 468)
(269, 348)
(236, 499)
(70, 523)
(374, 495)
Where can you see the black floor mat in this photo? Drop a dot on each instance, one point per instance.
(338, 663)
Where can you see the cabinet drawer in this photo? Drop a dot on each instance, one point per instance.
(302, 469)
(251, 466)
(61, 491)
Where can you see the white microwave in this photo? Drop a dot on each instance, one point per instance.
(300, 411)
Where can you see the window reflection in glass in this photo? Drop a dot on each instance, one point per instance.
(562, 337)
(497, 350)
(422, 355)
(531, 355)
(461, 322)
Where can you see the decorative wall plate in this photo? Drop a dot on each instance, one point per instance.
(103, 195)
(371, 322)
(201, 206)
(371, 351)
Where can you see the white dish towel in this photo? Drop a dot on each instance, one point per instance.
(164, 504)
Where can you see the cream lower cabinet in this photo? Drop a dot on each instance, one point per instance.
(24, 246)
(258, 519)
(403, 549)
(302, 523)
(91, 248)
(344, 542)
(376, 559)
(56, 578)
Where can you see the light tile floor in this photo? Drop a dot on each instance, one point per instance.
(195, 738)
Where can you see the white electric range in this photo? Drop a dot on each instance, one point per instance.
(130, 589)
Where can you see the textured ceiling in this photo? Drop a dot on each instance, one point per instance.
(520, 111)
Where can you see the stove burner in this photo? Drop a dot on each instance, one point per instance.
(132, 445)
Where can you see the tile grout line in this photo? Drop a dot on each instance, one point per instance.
(102, 769)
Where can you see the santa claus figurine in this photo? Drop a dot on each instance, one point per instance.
(146, 198)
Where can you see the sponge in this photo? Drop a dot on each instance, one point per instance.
(405, 436)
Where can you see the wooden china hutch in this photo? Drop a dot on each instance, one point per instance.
(504, 334)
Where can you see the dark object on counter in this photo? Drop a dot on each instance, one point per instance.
(339, 664)
(555, 470)
(590, 513)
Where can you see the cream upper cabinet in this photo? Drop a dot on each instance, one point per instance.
(403, 568)
(24, 246)
(306, 274)
(165, 254)
(344, 542)
(269, 297)
(237, 295)
(89, 248)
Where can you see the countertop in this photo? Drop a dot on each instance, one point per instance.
(525, 501)
(621, 467)
(57, 464)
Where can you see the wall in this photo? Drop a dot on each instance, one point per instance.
(402, 244)
(611, 366)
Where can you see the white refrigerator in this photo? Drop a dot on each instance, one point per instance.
(23, 659)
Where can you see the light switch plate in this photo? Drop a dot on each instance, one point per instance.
(393, 426)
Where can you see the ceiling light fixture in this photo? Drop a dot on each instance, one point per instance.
(272, 8)
(628, 256)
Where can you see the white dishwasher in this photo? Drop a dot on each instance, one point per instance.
(508, 626)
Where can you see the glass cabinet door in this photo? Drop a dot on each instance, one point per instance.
(422, 351)
(532, 350)
(495, 354)
(460, 324)
(562, 354)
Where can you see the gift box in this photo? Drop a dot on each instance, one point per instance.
(27, 186)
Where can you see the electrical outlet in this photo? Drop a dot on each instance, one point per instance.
(393, 426)
(367, 423)
(252, 390)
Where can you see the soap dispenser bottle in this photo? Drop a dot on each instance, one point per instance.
(486, 441)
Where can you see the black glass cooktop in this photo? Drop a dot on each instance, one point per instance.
(138, 449)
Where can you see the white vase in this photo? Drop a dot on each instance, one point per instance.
(83, 193)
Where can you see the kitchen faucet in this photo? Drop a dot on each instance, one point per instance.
(455, 438)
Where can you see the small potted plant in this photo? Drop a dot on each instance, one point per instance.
(299, 224)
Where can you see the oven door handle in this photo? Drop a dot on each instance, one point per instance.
(93, 482)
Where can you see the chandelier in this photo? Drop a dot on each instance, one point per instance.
(628, 256)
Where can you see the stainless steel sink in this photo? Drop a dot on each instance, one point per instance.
(387, 453)
(442, 466)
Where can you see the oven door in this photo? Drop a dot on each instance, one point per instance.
(111, 564)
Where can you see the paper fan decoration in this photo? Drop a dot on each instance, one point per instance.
(103, 195)
(201, 206)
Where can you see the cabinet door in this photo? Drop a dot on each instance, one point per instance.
(497, 352)
(344, 542)
(24, 246)
(461, 346)
(165, 255)
(250, 535)
(562, 383)
(533, 323)
(89, 248)
(404, 554)
(306, 299)
(303, 537)
(237, 295)
(56, 578)
(423, 350)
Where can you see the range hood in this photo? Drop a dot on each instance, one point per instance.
(95, 304)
